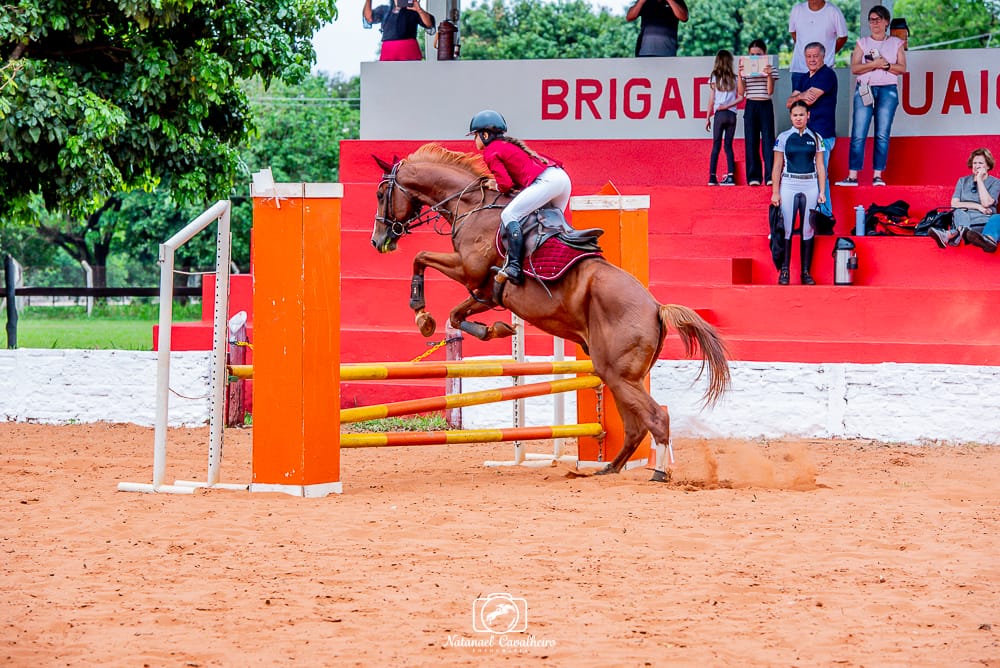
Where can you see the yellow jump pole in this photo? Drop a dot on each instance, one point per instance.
(394, 438)
(467, 399)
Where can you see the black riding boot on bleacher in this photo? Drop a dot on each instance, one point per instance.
(806, 249)
(515, 247)
(783, 274)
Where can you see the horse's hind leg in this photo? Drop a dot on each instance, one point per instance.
(640, 414)
(471, 306)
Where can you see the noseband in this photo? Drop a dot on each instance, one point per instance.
(397, 228)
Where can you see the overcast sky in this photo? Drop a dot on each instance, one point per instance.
(342, 45)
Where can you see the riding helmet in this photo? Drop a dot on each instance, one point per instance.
(489, 121)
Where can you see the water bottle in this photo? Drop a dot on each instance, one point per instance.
(859, 221)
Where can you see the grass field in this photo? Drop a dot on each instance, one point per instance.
(110, 327)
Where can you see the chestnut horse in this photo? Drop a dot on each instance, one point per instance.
(595, 304)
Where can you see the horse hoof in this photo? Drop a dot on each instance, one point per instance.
(606, 470)
(501, 330)
(660, 476)
(426, 324)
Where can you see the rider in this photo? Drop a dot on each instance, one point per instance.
(541, 182)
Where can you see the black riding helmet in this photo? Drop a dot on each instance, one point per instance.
(489, 122)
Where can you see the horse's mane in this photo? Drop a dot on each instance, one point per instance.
(435, 153)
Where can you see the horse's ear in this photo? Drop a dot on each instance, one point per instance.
(386, 167)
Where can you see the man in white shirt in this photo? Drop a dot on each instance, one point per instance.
(815, 21)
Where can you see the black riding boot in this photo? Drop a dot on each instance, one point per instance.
(783, 274)
(515, 247)
(806, 249)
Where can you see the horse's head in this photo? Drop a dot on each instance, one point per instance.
(397, 208)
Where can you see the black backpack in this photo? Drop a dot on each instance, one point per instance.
(940, 218)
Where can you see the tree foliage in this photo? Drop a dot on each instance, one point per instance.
(107, 96)
(574, 29)
(299, 127)
(951, 24)
(534, 29)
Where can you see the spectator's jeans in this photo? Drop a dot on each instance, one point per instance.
(992, 229)
(884, 110)
(758, 133)
(722, 139)
(828, 144)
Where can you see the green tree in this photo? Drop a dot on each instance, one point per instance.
(535, 29)
(573, 29)
(107, 96)
(951, 24)
(299, 127)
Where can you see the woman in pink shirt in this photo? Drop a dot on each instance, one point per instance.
(541, 182)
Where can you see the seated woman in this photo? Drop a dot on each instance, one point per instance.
(974, 200)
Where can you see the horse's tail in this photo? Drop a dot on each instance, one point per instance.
(695, 332)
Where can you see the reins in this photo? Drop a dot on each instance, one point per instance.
(396, 228)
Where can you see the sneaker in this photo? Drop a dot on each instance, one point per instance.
(957, 236)
(754, 183)
(877, 181)
(769, 182)
(980, 240)
(712, 181)
(849, 181)
(941, 237)
(728, 181)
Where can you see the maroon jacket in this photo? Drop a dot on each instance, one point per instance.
(511, 166)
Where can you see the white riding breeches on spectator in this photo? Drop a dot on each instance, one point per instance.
(789, 188)
(551, 187)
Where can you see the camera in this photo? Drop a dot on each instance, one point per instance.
(404, 3)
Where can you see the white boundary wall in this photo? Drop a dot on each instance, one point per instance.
(66, 386)
(907, 403)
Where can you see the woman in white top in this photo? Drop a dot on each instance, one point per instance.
(724, 101)
(877, 61)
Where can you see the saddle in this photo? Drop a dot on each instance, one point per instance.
(551, 245)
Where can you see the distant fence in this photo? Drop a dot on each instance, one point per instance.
(12, 292)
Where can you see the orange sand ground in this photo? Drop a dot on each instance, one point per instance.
(818, 553)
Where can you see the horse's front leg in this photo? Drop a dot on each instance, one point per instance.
(449, 264)
(460, 320)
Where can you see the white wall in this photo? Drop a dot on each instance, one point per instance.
(66, 386)
(951, 92)
(909, 403)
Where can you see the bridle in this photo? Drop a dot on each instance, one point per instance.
(397, 228)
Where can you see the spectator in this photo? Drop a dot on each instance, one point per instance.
(974, 200)
(798, 168)
(899, 28)
(399, 27)
(658, 28)
(815, 21)
(541, 181)
(987, 239)
(876, 62)
(758, 117)
(819, 91)
(724, 101)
